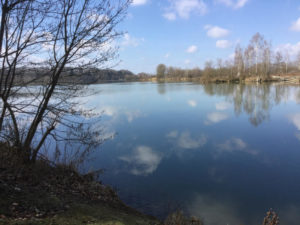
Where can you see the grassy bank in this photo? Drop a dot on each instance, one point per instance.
(44, 193)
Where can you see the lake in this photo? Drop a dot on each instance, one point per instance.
(226, 153)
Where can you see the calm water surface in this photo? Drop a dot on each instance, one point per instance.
(225, 153)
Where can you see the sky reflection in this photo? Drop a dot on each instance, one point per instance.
(224, 152)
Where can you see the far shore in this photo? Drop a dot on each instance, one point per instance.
(286, 78)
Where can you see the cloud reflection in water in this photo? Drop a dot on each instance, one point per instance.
(221, 106)
(295, 119)
(235, 144)
(215, 117)
(143, 161)
(186, 141)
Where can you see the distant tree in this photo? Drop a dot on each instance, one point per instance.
(278, 62)
(220, 66)
(248, 58)
(286, 61)
(238, 60)
(161, 71)
(257, 59)
(208, 69)
(196, 72)
(257, 42)
(298, 61)
(170, 72)
(266, 59)
(229, 68)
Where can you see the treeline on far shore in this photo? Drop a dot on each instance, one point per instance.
(40, 75)
(257, 61)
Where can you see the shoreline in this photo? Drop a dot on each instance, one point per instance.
(43, 194)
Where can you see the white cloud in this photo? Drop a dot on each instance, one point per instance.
(192, 49)
(222, 106)
(184, 8)
(143, 161)
(235, 4)
(292, 49)
(240, 4)
(36, 59)
(131, 41)
(223, 44)
(187, 61)
(295, 119)
(138, 2)
(215, 31)
(167, 55)
(231, 56)
(296, 25)
(215, 117)
(95, 17)
(225, 2)
(170, 16)
(192, 103)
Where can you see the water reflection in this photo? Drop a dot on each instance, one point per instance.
(224, 152)
(235, 144)
(192, 103)
(161, 88)
(186, 141)
(295, 119)
(255, 100)
(221, 106)
(143, 160)
(205, 207)
(215, 117)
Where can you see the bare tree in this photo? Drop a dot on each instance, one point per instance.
(220, 66)
(298, 61)
(257, 42)
(266, 61)
(208, 69)
(248, 57)
(22, 30)
(238, 60)
(286, 61)
(278, 62)
(65, 34)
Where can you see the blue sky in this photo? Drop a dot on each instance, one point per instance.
(186, 33)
